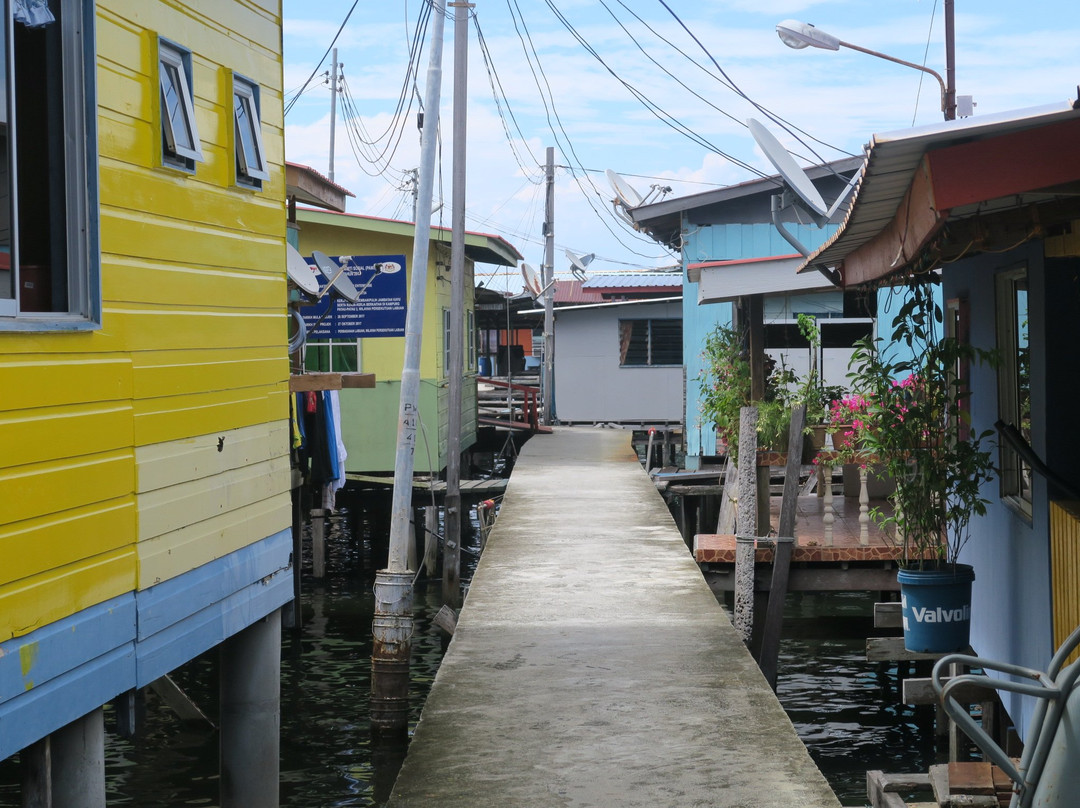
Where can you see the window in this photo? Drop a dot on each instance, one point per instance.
(49, 262)
(333, 356)
(251, 167)
(179, 133)
(1014, 382)
(650, 342)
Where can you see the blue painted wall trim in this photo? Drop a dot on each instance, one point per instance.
(62, 671)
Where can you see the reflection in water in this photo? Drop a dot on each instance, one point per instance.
(847, 710)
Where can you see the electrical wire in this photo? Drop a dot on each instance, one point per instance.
(503, 102)
(323, 59)
(926, 55)
(547, 98)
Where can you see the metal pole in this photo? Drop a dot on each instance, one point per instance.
(456, 370)
(950, 61)
(333, 112)
(548, 275)
(392, 628)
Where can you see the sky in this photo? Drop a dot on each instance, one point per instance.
(656, 90)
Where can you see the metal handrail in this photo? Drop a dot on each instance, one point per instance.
(1051, 693)
(531, 408)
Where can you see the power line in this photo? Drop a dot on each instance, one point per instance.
(323, 59)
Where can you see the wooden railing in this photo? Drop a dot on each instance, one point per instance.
(530, 408)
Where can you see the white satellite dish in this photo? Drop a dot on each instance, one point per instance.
(624, 192)
(337, 279)
(532, 281)
(786, 166)
(300, 273)
(578, 263)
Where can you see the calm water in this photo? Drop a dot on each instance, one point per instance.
(847, 710)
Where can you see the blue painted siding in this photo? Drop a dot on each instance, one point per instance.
(723, 242)
(1011, 597)
(62, 671)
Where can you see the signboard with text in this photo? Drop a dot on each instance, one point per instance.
(380, 311)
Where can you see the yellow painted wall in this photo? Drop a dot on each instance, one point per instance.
(191, 346)
(1065, 570)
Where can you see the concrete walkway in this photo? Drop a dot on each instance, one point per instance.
(576, 680)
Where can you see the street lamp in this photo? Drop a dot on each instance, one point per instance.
(800, 35)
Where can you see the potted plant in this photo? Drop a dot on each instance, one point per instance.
(918, 430)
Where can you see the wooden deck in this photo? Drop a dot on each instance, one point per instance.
(859, 556)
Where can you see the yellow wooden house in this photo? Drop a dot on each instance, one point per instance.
(144, 404)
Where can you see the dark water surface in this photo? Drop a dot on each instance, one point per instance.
(846, 710)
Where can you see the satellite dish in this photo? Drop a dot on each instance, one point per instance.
(337, 279)
(578, 263)
(786, 166)
(624, 192)
(300, 273)
(532, 281)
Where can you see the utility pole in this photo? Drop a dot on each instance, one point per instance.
(456, 370)
(548, 277)
(950, 60)
(392, 626)
(333, 110)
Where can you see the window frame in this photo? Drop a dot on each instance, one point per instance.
(1013, 470)
(81, 268)
(649, 341)
(178, 58)
(249, 173)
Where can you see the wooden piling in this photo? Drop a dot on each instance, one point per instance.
(746, 530)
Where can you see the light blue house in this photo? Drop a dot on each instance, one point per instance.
(730, 249)
(992, 204)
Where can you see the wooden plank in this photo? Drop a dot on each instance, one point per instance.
(769, 654)
(789, 501)
(888, 649)
(357, 381)
(308, 382)
(971, 777)
(815, 579)
(888, 615)
(921, 691)
(876, 793)
(905, 782)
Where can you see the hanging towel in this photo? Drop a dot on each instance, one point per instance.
(32, 13)
(334, 398)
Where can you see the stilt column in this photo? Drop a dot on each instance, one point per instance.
(78, 763)
(251, 715)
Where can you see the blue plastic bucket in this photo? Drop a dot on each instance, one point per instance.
(936, 606)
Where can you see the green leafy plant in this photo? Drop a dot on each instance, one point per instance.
(725, 383)
(917, 428)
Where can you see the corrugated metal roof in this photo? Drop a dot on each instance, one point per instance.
(639, 281)
(892, 160)
(569, 292)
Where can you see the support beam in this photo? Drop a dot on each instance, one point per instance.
(251, 715)
(78, 762)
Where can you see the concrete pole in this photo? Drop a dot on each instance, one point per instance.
(251, 715)
(451, 588)
(333, 112)
(36, 770)
(78, 762)
(390, 637)
(548, 277)
(746, 527)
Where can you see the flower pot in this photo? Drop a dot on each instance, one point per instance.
(936, 606)
(817, 436)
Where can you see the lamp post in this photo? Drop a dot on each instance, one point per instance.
(800, 35)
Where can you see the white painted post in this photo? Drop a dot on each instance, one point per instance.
(828, 516)
(864, 509)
